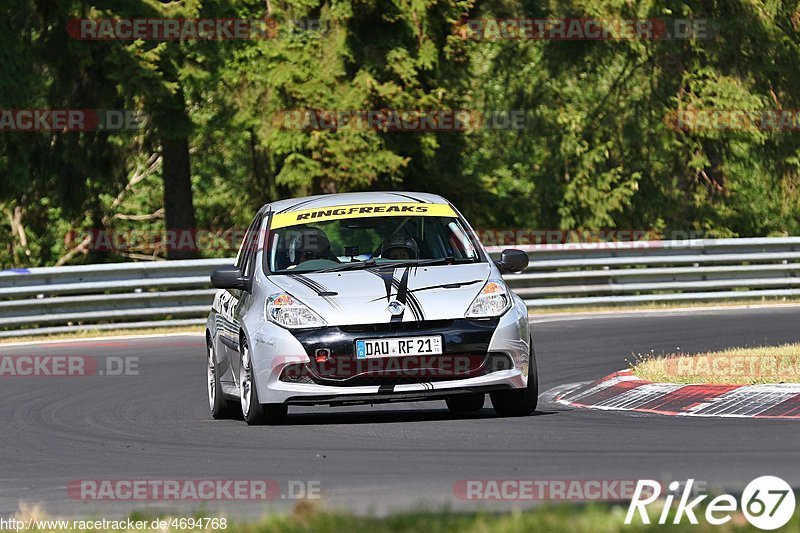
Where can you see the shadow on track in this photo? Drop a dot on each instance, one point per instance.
(393, 416)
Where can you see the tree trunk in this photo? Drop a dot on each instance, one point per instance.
(178, 204)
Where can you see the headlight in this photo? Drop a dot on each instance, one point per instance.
(493, 300)
(291, 313)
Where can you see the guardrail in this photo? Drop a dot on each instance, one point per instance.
(174, 293)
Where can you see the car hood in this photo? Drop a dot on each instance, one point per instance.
(363, 296)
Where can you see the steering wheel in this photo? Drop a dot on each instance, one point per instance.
(388, 238)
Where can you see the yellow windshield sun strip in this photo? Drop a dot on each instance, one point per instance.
(339, 212)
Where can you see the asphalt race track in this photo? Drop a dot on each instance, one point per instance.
(156, 425)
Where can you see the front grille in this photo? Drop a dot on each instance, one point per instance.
(397, 326)
(389, 371)
(463, 340)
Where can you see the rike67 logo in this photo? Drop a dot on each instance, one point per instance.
(767, 502)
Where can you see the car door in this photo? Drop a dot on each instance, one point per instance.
(239, 299)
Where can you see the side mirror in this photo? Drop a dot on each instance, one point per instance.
(512, 261)
(228, 277)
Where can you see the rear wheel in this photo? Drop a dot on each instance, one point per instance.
(219, 406)
(256, 413)
(465, 403)
(519, 402)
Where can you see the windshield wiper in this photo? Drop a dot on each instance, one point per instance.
(450, 260)
(355, 265)
(371, 263)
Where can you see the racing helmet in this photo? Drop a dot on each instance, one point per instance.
(400, 247)
(307, 244)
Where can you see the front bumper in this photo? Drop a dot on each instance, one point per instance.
(465, 354)
(496, 352)
(310, 394)
(394, 396)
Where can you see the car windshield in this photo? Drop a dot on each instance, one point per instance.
(368, 241)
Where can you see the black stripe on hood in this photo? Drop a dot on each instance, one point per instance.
(454, 285)
(404, 296)
(319, 289)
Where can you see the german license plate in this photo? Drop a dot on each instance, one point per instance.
(399, 346)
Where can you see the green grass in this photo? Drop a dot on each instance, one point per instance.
(734, 366)
(600, 517)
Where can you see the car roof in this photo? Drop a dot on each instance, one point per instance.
(351, 198)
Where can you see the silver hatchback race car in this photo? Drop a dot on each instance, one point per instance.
(364, 298)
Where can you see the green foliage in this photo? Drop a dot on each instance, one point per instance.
(598, 151)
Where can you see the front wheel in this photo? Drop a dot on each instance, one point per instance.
(255, 413)
(519, 402)
(465, 403)
(219, 406)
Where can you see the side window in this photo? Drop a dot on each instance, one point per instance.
(248, 249)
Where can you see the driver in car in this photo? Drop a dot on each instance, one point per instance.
(400, 247)
(311, 244)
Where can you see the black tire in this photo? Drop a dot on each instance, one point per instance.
(465, 403)
(519, 402)
(254, 412)
(221, 408)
